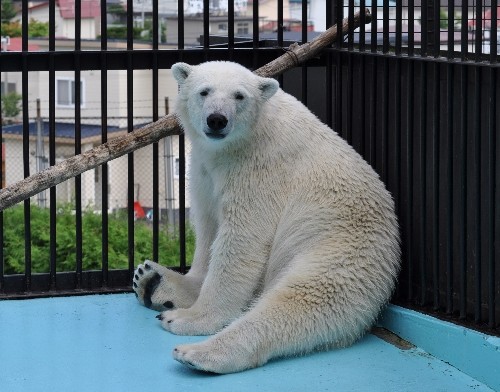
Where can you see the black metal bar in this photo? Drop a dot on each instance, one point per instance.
(180, 24)
(408, 183)
(494, 145)
(433, 206)
(437, 28)
(182, 203)
(494, 31)
(104, 139)
(464, 31)
(372, 125)
(255, 35)
(206, 24)
(446, 181)
(474, 197)
(130, 128)
(424, 28)
(451, 29)
(421, 184)
(230, 29)
(26, 150)
(411, 27)
(305, 26)
(479, 30)
(362, 27)
(156, 161)
(52, 146)
(399, 28)
(280, 32)
(374, 28)
(78, 148)
(350, 24)
(385, 28)
(459, 208)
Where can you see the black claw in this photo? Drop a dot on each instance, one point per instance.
(147, 266)
(150, 289)
(136, 295)
(169, 321)
(140, 271)
(135, 284)
(159, 317)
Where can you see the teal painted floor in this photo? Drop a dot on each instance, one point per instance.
(110, 343)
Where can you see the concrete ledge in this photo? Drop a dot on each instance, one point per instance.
(471, 352)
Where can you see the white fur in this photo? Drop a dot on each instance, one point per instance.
(296, 238)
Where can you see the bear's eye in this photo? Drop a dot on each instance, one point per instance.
(204, 93)
(239, 96)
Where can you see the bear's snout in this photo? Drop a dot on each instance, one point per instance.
(216, 123)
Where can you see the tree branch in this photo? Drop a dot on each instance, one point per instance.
(166, 126)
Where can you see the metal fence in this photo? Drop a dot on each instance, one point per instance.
(416, 92)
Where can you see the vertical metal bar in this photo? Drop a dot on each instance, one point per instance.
(451, 28)
(78, 148)
(374, 28)
(494, 31)
(433, 206)
(130, 127)
(104, 139)
(409, 130)
(304, 40)
(399, 27)
(447, 178)
(362, 27)
(329, 72)
(494, 144)
(421, 189)
(473, 198)
(464, 30)
(26, 148)
(255, 40)
(350, 24)
(156, 171)
(411, 27)
(180, 25)
(2, 158)
(230, 31)
(385, 29)
(339, 123)
(372, 127)
(182, 164)
(182, 203)
(424, 28)
(280, 32)
(52, 143)
(459, 208)
(206, 25)
(479, 30)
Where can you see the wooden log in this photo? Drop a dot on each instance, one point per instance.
(166, 126)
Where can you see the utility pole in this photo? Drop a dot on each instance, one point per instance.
(39, 151)
(168, 159)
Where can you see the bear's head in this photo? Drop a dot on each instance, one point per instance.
(219, 101)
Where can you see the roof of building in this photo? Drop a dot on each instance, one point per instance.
(16, 45)
(63, 130)
(89, 8)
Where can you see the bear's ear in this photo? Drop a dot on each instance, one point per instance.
(268, 87)
(181, 72)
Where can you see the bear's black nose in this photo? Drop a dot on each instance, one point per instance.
(216, 122)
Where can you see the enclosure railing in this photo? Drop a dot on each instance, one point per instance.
(415, 91)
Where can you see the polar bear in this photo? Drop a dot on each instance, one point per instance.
(297, 243)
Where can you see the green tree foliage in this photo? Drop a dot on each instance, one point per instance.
(38, 29)
(8, 10)
(35, 29)
(10, 104)
(92, 245)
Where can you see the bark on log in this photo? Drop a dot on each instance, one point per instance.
(166, 126)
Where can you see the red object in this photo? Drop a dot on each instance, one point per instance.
(138, 211)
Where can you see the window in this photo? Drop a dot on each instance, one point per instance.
(242, 28)
(7, 87)
(65, 92)
(222, 27)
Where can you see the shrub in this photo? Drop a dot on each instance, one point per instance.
(91, 240)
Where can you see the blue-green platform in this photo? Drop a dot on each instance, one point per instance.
(111, 343)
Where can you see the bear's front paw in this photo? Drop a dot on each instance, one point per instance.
(215, 356)
(190, 322)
